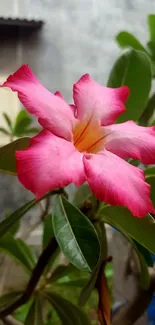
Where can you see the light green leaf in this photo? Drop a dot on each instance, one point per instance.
(48, 233)
(35, 313)
(76, 235)
(140, 229)
(73, 283)
(125, 39)
(7, 155)
(18, 250)
(68, 313)
(130, 70)
(151, 25)
(82, 193)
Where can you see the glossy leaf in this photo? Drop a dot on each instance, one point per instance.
(8, 299)
(140, 229)
(48, 233)
(148, 112)
(76, 235)
(68, 313)
(151, 25)
(7, 155)
(125, 39)
(35, 313)
(130, 70)
(18, 250)
(88, 288)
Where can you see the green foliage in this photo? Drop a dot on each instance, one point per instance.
(130, 70)
(68, 313)
(75, 233)
(48, 230)
(7, 155)
(35, 315)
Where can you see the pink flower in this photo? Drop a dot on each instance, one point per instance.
(79, 143)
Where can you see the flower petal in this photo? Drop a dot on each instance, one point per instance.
(49, 162)
(52, 111)
(115, 181)
(93, 99)
(130, 140)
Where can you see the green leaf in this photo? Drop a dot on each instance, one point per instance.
(125, 39)
(73, 283)
(35, 313)
(88, 288)
(130, 70)
(7, 155)
(148, 112)
(18, 250)
(60, 272)
(151, 25)
(146, 254)
(8, 299)
(23, 121)
(8, 121)
(32, 131)
(140, 229)
(68, 313)
(75, 234)
(48, 233)
(150, 178)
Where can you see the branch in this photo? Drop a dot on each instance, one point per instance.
(133, 310)
(36, 274)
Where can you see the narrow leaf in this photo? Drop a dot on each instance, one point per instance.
(60, 272)
(8, 121)
(23, 121)
(7, 155)
(125, 39)
(4, 131)
(8, 299)
(68, 313)
(76, 235)
(35, 313)
(130, 70)
(18, 250)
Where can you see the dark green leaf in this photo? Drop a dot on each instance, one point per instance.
(125, 39)
(148, 112)
(18, 250)
(146, 254)
(48, 233)
(151, 46)
(150, 178)
(8, 121)
(7, 155)
(130, 70)
(140, 229)
(61, 271)
(35, 313)
(151, 25)
(87, 290)
(23, 121)
(68, 313)
(76, 235)
(8, 299)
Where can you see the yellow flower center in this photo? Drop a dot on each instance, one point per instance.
(88, 136)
